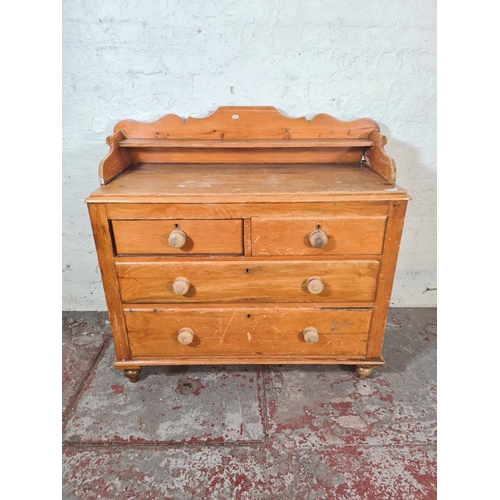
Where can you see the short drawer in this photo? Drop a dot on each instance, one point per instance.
(247, 331)
(247, 281)
(153, 237)
(318, 235)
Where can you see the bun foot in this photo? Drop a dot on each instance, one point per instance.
(364, 371)
(132, 375)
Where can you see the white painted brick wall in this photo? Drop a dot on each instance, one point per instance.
(143, 59)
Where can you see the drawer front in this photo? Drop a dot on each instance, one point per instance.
(211, 236)
(341, 235)
(247, 331)
(257, 281)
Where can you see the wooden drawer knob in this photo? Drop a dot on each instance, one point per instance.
(315, 285)
(318, 238)
(311, 335)
(186, 336)
(181, 286)
(177, 238)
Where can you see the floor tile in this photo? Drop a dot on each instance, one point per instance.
(169, 404)
(229, 472)
(83, 335)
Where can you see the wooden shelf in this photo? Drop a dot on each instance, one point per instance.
(246, 144)
(247, 135)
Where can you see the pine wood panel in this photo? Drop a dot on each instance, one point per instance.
(240, 331)
(257, 281)
(116, 161)
(194, 183)
(377, 159)
(203, 236)
(100, 197)
(104, 248)
(386, 276)
(290, 236)
(245, 122)
(246, 143)
(243, 210)
(246, 156)
(141, 259)
(247, 237)
(249, 359)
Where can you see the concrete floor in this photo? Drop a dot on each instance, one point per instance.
(250, 432)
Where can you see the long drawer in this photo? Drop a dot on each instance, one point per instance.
(247, 331)
(247, 281)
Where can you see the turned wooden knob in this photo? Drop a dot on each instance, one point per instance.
(311, 335)
(181, 286)
(177, 238)
(318, 238)
(315, 285)
(186, 336)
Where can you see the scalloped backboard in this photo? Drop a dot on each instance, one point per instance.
(240, 122)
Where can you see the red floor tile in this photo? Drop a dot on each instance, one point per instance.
(220, 473)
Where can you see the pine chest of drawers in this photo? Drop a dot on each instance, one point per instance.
(247, 237)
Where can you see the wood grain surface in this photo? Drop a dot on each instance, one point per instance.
(388, 262)
(237, 331)
(246, 143)
(214, 183)
(203, 236)
(247, 281)
(104, 248)
(290, 236)
(116, 161)
(378, 160)
(247, 122)
(244, 210)
(246, 156)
